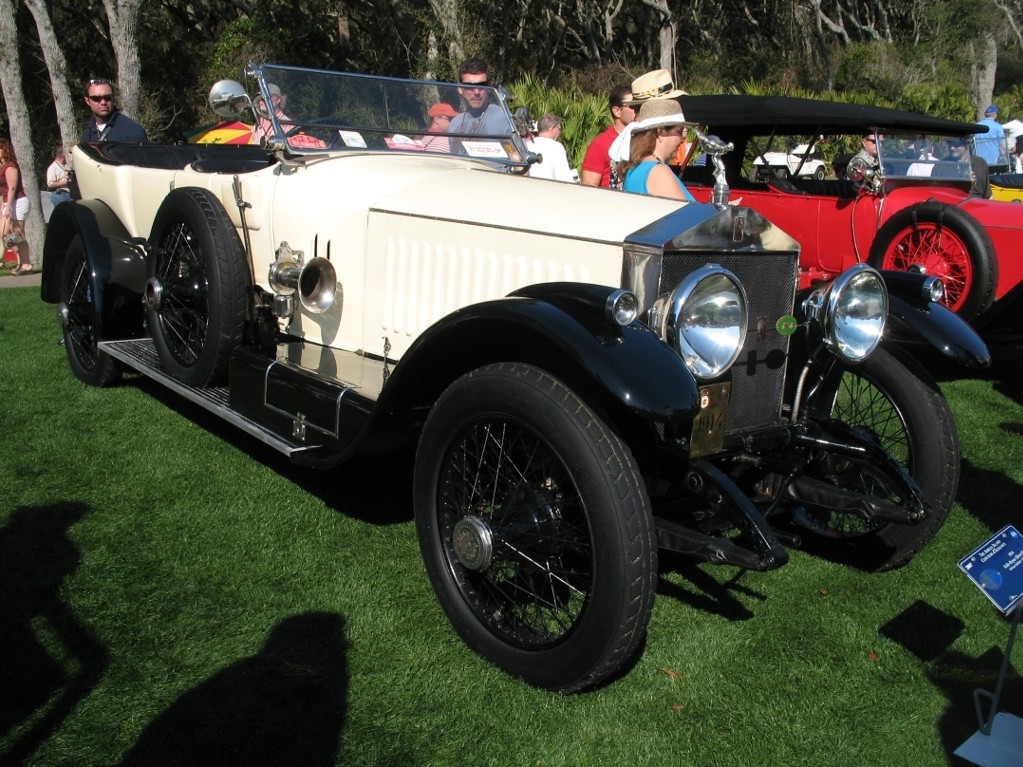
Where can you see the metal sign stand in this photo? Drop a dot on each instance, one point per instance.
(992, 566)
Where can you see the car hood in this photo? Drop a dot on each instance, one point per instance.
(476, 195)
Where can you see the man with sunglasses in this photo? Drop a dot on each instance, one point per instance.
(481, 117)
(868, 150)
(107, 122)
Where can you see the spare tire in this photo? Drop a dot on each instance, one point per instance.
(197, 296)
(948, 243)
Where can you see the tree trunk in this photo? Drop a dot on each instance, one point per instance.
(21, 129)
(56, 64)
(122, 15)
(665, 34)
(984, 71)
(446, 13)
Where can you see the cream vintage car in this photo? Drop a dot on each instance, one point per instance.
(588, 376)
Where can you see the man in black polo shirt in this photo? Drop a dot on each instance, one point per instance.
(107, 122)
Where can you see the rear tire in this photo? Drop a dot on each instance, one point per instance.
(78, 317)
(535, 528)
(197, 297)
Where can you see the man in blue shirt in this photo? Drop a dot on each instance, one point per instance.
(481, 116)
(107, 122)
(990, 145)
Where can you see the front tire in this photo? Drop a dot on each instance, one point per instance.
(79, 321)
(535, 528)
(199, 286)
(903, 408)
(949, 244)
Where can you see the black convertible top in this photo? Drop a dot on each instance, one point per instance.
(764, 115)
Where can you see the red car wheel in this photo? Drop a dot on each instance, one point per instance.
(947, 243)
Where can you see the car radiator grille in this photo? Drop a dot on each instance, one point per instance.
(758, 376)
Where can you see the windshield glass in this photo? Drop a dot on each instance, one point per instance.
(316, 110)
(932, 156)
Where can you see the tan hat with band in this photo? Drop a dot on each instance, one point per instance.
(654, 85)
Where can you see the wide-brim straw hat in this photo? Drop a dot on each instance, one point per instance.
(653, 85)
(656, 113)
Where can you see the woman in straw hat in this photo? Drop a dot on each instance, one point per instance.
(644, 147)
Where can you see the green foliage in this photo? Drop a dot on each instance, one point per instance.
(583, 115)
(150, 552)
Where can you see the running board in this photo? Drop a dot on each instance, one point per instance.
(140, 354)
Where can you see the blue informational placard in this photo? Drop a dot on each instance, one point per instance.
(996, 567)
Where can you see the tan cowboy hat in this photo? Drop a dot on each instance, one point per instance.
(654, 85)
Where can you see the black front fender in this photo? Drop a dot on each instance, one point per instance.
(912, 319)
(942, 328)
(116, 265)
(562, 329)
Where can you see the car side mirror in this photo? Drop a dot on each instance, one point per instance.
(229, 99)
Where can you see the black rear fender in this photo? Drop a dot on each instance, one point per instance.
(116, 264)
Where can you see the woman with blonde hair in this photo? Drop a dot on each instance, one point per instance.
(15, 206)
(645, 146)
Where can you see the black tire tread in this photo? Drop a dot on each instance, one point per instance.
(101, 369)
(232, 294)
(635, 520)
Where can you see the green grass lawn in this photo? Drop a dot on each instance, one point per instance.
(174, 593)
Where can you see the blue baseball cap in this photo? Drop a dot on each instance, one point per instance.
(991, 110)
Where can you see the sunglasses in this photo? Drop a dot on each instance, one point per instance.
(476, 86)
(102, 97)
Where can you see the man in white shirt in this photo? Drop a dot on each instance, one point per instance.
(546, 145)
(58, 178)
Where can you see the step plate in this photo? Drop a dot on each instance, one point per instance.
(140, 354)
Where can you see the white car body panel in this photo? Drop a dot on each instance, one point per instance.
(514, 232)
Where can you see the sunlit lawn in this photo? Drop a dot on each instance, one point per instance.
(173, 593)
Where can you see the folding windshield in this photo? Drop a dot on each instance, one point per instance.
(317, 110)
(930, 156)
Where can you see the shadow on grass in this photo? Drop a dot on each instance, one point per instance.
(983, 494)
(928, 633)
(702, 590)
(283, 706)
(50, 660)
(372, 489)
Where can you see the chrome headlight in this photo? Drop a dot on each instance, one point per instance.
(850, 312)
(704, 320)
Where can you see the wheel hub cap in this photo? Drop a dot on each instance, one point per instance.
(153, 297)
(473, 543)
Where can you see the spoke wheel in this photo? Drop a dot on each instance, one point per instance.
(535, 529)
(198, 287)
(909, 417)
(948, 244)
(78, 317)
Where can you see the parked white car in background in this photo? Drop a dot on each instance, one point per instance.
(795, 162)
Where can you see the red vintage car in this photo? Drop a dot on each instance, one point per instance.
(917, 210)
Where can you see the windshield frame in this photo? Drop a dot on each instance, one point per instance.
(322, 111)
